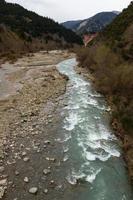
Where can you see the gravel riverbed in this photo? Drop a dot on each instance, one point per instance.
(29, 111)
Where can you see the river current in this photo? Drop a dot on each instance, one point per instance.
(93, 164)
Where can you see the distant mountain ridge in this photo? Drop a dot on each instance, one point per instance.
(93, 24)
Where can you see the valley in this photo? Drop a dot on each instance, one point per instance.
(66, 108)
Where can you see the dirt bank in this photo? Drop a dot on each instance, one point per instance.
(30, 93)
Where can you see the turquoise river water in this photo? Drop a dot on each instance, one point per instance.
(92, 157)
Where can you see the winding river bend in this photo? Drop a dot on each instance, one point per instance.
(92, 158)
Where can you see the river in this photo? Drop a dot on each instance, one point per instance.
(93, 165)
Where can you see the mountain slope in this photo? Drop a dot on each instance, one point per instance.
(72, 24)
(119, 33)
(31, 27)
(93, 24)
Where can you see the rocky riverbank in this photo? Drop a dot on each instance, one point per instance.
(30, 95)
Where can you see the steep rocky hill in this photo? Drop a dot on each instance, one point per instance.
(93, 24)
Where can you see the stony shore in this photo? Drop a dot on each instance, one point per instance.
(29, 101)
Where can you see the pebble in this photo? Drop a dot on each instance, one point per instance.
(52, 182)
(26, 180)
(24, 153)
(46, 171)
(33, 190)
(51, 159)
(26, 159)
(16, 173)
(47, 142)
(45, 191)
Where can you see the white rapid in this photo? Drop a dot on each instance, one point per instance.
(92, 156)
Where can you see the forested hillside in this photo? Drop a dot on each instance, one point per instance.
(110, 59)
(120, 33)
(32, 28)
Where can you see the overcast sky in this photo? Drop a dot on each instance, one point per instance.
(64, 10)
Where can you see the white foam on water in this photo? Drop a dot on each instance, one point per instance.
(98, 141)
(78, 82)
(72, 107)
(92, 102)
(94, 138)
(92, 156)
(95, 135)
(71, 121)
(89, 156)
(90, 178)
(73, 177)
(111, 150)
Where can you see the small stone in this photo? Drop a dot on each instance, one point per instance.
(26, 180)
(46, 191)
(52, 182)
(38, 151)
(2, 169)
(3, 182)
(46, 171)
(21, 145)
(52, 159)
(47, 142)
(16, 173)
(24, 153)
(26, 159)
(33, 190)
